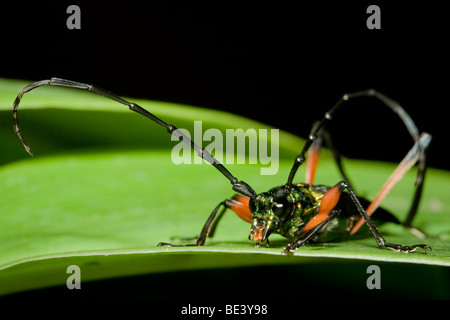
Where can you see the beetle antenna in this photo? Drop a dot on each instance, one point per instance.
(238, 186)
(396, 108)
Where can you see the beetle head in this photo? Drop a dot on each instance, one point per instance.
(269, 210)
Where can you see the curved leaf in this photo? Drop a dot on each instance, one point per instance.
(102, 191)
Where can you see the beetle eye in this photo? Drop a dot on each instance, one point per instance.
(281, 209)
(252, 206)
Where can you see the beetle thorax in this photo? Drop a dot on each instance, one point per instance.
(281, 211)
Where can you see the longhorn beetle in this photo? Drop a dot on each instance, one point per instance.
(302, 212)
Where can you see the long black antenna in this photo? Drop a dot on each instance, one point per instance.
(396, 108)
(238, 186)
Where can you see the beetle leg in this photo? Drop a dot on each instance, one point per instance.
(313, 159)
(410, 159)
(326, 213)
(209, 226)
(377, 235)
(239, 205)
(322, 220)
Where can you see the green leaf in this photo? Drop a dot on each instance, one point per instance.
(102, 191)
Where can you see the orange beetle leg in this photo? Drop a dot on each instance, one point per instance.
(404, 166)
(312, 161)
(329, 201)
(239, 205)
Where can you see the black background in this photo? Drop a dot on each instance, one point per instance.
(283, 64)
